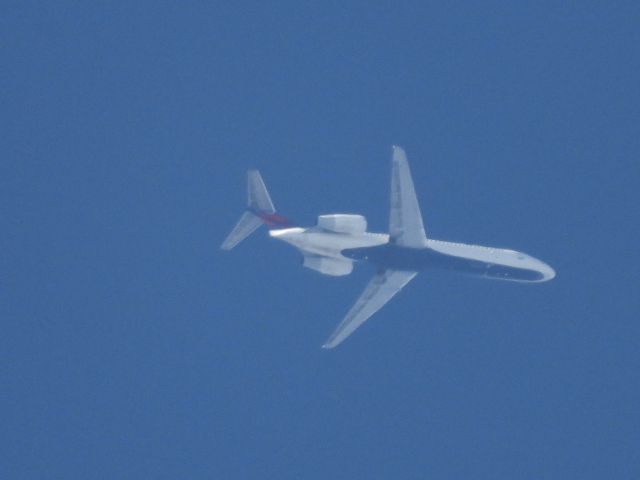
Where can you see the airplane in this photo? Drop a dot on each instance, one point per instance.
(338, 240)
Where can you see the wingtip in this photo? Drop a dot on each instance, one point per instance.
(398, 154)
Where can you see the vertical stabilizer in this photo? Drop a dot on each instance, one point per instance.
(258, 198)
(405, 220)
(260, 210)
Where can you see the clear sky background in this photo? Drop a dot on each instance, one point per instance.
(132, 347)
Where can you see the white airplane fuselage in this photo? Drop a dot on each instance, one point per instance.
(476, 260)
(339, 240)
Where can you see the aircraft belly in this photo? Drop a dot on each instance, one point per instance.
(409, 259)
(337, 241)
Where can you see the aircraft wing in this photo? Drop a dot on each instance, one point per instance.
(405, 220)
(382, 287)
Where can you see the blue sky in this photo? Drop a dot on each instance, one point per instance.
(132, 347)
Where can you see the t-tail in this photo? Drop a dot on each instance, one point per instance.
(260, 210)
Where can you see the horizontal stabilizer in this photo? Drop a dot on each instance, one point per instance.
(247, 224)
(260, 210)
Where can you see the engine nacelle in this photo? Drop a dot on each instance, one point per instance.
(343, 223)
(327, 265)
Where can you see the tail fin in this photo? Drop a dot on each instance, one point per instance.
(260, 210)
(247, 224)
(257, 196)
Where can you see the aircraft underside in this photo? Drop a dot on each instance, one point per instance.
(398, 258)
(338, 240)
